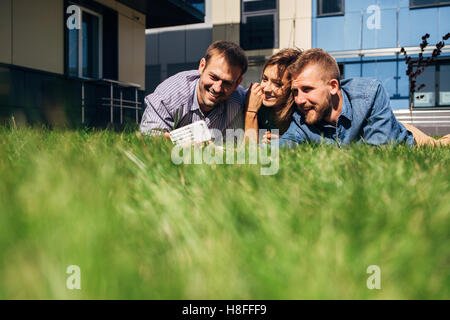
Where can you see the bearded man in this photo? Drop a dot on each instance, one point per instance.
(211, 93)
(341, 112)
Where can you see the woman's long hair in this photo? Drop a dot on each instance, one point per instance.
(282, 59)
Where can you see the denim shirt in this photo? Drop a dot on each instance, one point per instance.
(366, 117)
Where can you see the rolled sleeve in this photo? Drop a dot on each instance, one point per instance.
(293, 136)
(156, 118)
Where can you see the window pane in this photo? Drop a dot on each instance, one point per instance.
(174, 68)
(426, 96)
(252, 75)
(352, 70)
(331, 6)
(90, 45)
(444, 85)
(257, 5)
(383, 71)
(198, 4)
(403, 82)
(73, 53)
(258, 33)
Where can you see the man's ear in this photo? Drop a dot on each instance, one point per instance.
(334, 84)
(201, 66)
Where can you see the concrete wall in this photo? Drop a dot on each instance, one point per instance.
(131, 43)
(295, 23)
(131, 51)
(177, 46)
(32, 35)
(5, 31)
(173, 49)
(38, 35)
(226, 19)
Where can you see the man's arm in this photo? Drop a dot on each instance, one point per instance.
(156, 119)
(293, 136)
(382, 126)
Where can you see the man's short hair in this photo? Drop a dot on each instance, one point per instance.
(319, 57)
(234, 54)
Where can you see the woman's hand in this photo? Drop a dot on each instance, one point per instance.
(255, 97)
(268, 137)
(252, 104)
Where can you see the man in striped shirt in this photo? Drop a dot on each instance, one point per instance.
(211, 93)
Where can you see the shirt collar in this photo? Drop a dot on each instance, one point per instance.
(196, 106)
(346, 107)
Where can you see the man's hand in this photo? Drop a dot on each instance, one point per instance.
(167, 135)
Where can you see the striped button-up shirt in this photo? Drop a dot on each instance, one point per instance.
(174, 104)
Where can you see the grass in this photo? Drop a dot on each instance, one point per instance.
(140, 227)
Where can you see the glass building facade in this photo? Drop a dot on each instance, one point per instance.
(366, 36)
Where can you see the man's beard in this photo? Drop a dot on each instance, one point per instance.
(318, 113)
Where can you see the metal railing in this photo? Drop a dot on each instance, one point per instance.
(424, 117)
(431, 121)
(112, 102)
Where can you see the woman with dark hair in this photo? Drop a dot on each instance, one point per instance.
(270, 104)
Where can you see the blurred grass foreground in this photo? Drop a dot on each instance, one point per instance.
(140, 227)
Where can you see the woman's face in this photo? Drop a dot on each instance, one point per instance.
(274, 90)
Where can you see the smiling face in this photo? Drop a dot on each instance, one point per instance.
(312, 94)
(218, 79)
(273, 87)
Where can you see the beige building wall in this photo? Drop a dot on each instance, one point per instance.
(32, 35)
(226, 19)
(295, 26)
(5, 31)
(131, 43)
(226, 12)
(295, 23)
(132, 49)
(139, 54)
(38, 35)
(126, 33)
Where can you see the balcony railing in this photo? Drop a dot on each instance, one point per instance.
(112, 102)
(38, 97)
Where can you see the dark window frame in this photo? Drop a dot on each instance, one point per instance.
(109, 36)
(333, 14)
(395, 96)
(276, 15)
(341, 66)
(437, 88)
(100, 15)
(433, 5)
